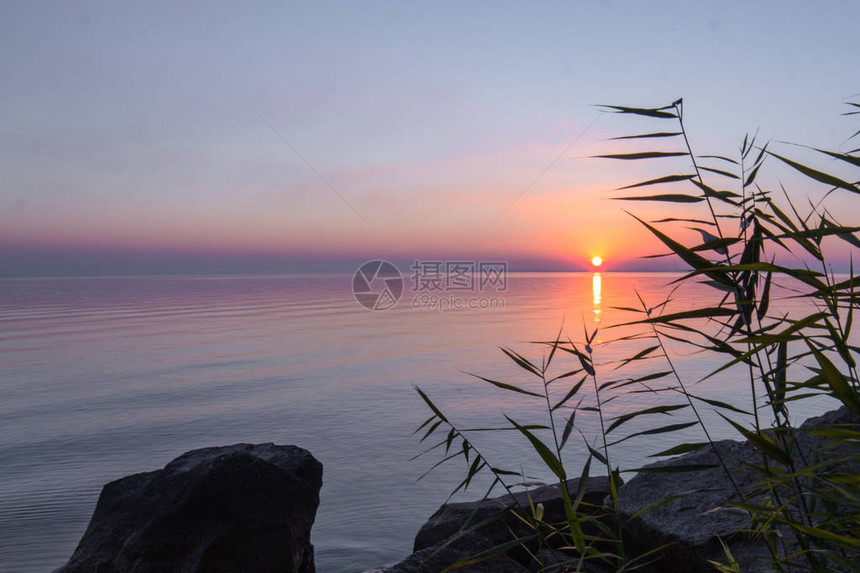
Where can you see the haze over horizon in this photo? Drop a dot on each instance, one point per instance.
(286, 137)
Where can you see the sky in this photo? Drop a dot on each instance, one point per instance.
(183, 137)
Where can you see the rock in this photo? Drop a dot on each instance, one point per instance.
(438, 558)
(553, 560)
(452, 517)
(443, 541)
(841, 415)
(243, 508)
(695, 514)
(689, 510)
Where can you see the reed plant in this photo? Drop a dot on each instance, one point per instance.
(753, 244)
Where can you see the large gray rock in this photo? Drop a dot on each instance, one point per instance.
(439, 557)
(452, 517)
(243, 508)
(451, 535)
(690, 510)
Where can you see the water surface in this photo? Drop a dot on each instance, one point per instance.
(104, 377)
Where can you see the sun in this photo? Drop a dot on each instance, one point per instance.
(596, 261)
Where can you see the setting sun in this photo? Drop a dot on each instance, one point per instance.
(596, 261)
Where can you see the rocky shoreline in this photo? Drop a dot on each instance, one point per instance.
(250, 508)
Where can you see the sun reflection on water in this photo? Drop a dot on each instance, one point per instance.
(595, 291)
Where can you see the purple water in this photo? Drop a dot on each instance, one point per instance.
(103, 377)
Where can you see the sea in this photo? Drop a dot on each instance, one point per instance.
(108, 376)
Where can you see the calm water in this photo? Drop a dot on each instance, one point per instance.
(106, 377)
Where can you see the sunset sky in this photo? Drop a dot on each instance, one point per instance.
(284, 136)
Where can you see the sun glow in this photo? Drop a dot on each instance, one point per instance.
(596, 261)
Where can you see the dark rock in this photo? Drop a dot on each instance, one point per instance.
(841, 415)
(690, 510)
(452, 517)
(693, 513)
(235, 508)
(438, 558)
(553, 560)
(443, 540)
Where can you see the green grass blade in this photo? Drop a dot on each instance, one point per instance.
(818, 175)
